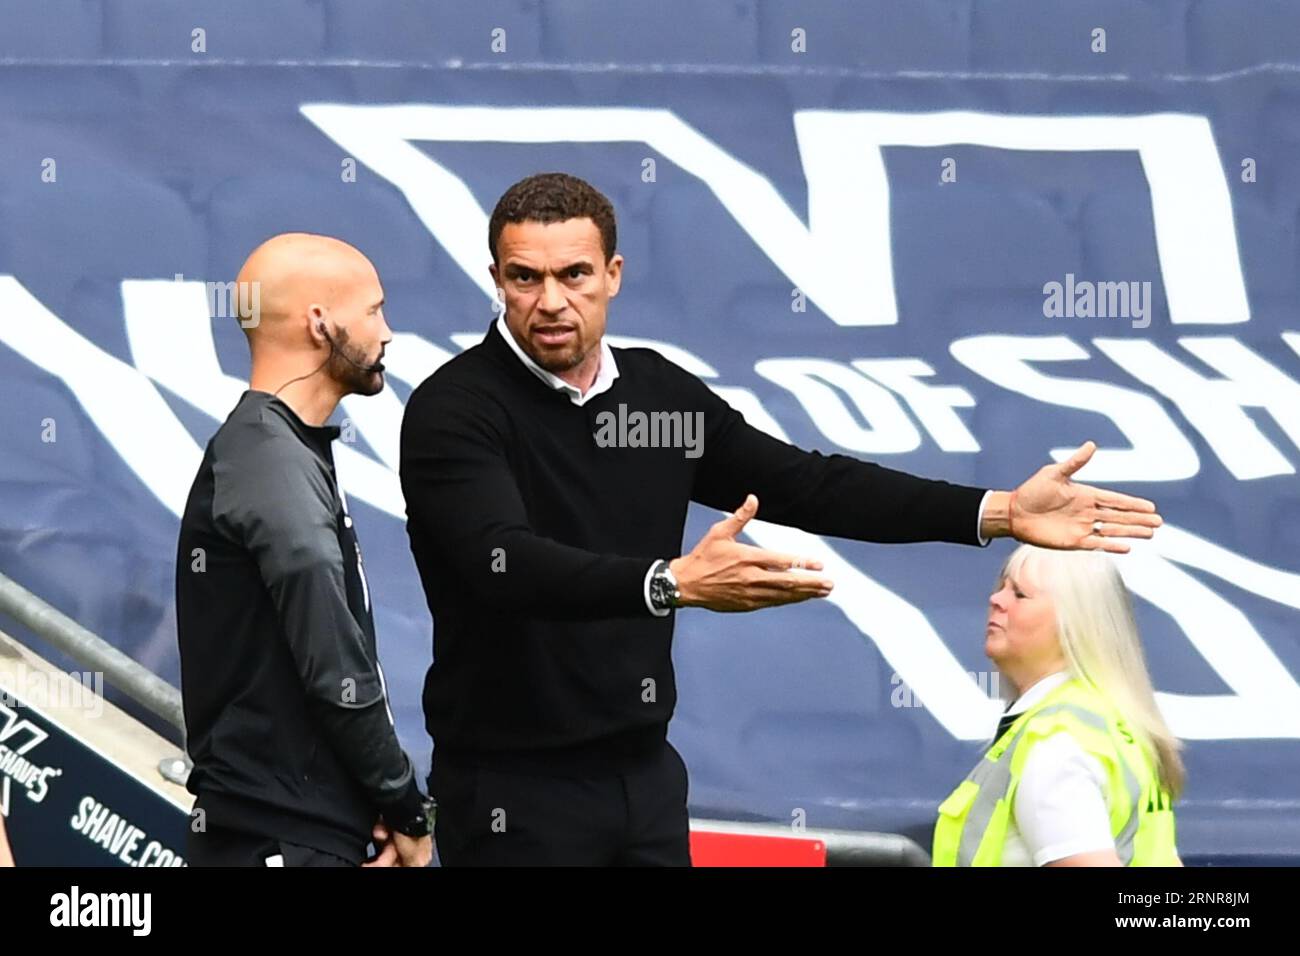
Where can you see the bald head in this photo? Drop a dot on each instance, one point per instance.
(296, 270)
(317, 299)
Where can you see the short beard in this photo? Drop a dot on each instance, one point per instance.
(353, 380)
(556, 365)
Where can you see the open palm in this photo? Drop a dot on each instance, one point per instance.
(1052, 511)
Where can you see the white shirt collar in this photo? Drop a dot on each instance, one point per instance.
(606, 372)
(1038, 691)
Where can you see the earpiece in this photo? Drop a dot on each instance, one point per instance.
(377, 367)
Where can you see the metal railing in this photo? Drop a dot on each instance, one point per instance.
(90, 650)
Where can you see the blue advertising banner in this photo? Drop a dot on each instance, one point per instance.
(959, 265)
(68, 803)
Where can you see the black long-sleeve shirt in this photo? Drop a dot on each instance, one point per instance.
(286, 714)
(533, 539)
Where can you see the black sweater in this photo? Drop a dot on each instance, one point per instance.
(533, 542)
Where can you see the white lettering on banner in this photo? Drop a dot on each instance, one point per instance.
(33, 777)
(817, 384)
(932, 404)
(121, 401)
(17, 766)
(1266, 698)
(119, 836)
(466, 340)
(824, 258)
(413, 358)
(379, 418)
(15, 726)
(1159, 450)
(1214, 405)
(1195, 234)
(1292, 339)
(842, 259)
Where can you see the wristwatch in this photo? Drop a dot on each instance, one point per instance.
(664, 593)
(419, 824)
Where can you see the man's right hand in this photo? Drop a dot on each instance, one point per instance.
(723, 575)
(413, 851)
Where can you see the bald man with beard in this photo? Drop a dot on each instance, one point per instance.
(296, 760)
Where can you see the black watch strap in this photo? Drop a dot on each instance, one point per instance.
(419, 824)
(410, 814)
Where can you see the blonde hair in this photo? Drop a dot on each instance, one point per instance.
(1099, 640)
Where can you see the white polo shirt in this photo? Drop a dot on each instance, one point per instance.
(1060, 806)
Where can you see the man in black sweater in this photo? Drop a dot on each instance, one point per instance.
(296, 761)
(547, 477)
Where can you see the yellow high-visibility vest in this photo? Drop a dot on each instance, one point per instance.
(972, 827)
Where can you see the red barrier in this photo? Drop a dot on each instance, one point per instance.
(718, 848)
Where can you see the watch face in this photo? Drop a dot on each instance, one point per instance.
(663, 592)
(660, 592)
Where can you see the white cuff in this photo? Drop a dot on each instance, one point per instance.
(979, 521)
(657, 612)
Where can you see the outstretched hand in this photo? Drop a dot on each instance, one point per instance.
(1053, 511)
(722, 574)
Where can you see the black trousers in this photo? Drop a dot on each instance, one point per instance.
(219, 846)
(511, 817)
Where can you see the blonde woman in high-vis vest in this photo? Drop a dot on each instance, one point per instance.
(1084, 771)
